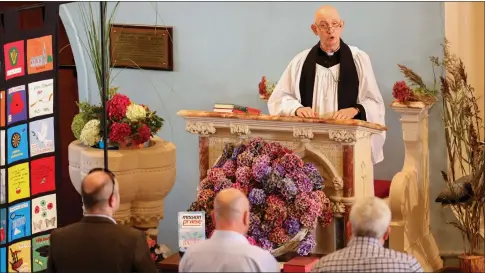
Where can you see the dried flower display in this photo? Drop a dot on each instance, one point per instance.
(286, 195)
(464, 190)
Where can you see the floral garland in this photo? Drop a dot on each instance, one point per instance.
(285, 194)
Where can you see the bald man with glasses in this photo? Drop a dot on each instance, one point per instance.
(97, 243)
(332, 80)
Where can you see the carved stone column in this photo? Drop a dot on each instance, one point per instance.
(409, 193)
(357, 176)
(203, 130)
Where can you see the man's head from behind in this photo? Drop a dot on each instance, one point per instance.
(100, 192)
(370, 217)
(231, 211)
(328, 26)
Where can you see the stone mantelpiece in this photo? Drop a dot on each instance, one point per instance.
(409, 193)
(341, 150)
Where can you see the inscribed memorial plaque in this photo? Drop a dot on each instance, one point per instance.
(146, 47)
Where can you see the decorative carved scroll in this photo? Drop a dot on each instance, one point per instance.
(200, 128)
(239, 129)
(338, 208)
(345, 136)
(303, 133)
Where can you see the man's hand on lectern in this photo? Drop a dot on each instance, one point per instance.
(347, 113)
(305, 112)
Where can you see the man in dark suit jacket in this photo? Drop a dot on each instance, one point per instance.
(97, 243)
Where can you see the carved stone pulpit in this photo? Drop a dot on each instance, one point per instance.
(409, 192)
(341, 150)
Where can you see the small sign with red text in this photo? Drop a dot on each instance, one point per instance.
(191, 228)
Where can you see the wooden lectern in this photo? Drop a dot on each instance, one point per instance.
(341, 150)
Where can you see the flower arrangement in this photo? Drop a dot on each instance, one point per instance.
(266, 88)
(129, 124)
(285, 194)
(417, 89)
(157, 252)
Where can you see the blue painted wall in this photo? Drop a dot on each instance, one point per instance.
(221, 50)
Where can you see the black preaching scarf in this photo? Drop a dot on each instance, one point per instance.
(348, 81)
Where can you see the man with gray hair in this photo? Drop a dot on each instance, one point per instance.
(228, 250)
(370, 218)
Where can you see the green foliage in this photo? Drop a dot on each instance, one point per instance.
(78, 123)
(94, 43)
(155, 122)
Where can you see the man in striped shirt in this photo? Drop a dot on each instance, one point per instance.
(369, 221)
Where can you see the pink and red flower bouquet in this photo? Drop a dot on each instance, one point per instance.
(129, 124)
(286, 195)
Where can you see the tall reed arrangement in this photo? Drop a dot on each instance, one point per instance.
(464, 190)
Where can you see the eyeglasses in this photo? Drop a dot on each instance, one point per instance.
(327, 27)
(111, 175)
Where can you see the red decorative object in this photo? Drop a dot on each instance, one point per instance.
(16, 104)
(117, 106)
(265, 88)
(382, 188)
(401, 92)
(119, 132)
(262, 87)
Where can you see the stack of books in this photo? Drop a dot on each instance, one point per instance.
(237, 109)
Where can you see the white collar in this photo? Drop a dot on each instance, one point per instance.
(101, 215)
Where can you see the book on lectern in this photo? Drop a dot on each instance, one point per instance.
(191, 228)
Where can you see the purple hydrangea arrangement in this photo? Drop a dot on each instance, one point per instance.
(286, 195)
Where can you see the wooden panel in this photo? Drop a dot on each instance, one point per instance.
(70, 204)
(65, 51)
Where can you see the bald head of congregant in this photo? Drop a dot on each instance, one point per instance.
(100, 193)
(231, 211)
(328, 26)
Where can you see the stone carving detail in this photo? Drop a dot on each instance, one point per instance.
(342, 136)
(345, 136)
(303, 133)
(338, 208)
(338, 183)
(200, 128)
(363, 171)
(239, 129)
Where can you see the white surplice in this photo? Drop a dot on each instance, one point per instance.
(285, 98)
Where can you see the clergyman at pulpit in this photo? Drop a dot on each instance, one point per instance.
(333, 80)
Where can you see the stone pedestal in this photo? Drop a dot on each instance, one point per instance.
(409, 193)
(145, 178)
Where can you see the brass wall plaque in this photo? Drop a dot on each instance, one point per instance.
(146, 47)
